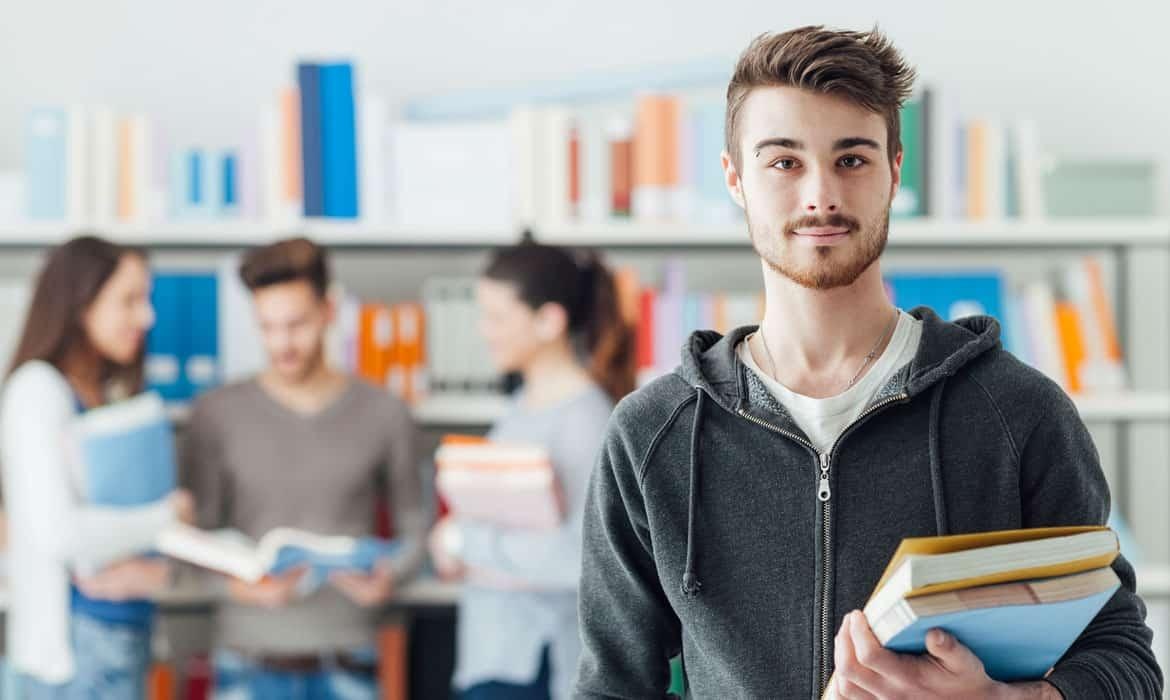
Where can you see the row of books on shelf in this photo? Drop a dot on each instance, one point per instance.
(325, 147)
(205, 331)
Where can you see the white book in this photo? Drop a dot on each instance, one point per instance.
(555, 128)
(919, 571)
(271, 177)
(454, 175)
(231, 552)
(78, 167)
(1040, 312)
(1029, 174)
(434, 296)
(373, 124)
(105, 166)
(241, 350)
(595, 168)
(996, 171)
(528, 179)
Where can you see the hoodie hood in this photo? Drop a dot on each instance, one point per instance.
(710, 363)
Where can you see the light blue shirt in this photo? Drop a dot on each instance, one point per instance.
(502, 633)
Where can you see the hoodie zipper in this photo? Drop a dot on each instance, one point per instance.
(824, 495)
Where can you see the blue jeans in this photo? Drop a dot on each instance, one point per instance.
(111, 661)
(495, 690)
(238, 678)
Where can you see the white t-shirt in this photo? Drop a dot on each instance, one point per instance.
(823, 420)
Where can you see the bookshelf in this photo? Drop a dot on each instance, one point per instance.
(929, 234)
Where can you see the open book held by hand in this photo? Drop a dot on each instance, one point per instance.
(232, 553)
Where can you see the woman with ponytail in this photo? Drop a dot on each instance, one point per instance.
(553, 318)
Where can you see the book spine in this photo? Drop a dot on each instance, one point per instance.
(312, 156)
(46, 155)
(338, 142)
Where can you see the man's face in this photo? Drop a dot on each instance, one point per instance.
(815, 183)
(293, 323)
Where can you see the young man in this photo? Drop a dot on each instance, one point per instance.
(305, 446)
(746, 504)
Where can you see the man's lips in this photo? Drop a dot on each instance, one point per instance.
(821, 231)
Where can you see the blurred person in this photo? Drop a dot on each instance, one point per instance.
(302, 445)
(82, 346)
(554, 320)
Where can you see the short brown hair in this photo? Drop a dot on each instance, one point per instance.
(287, 261)
(862, 67)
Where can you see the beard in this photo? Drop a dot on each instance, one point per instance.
(831, 266)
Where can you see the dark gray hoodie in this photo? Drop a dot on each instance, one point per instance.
(713, 528)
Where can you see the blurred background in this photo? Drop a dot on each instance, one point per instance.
(410, 138)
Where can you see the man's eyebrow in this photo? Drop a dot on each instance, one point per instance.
(780, 142)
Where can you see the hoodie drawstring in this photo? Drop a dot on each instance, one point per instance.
(936, 481)
(690, 582)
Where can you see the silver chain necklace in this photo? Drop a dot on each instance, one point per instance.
(869, 356)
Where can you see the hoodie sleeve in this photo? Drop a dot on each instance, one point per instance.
(628, 629)
(1062, 484)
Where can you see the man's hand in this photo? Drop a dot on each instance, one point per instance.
(367, 590)
(184, 506)
(129, 579)
(866, 670)
(448, 566)
(270, 592)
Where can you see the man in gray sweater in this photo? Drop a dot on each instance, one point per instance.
(302, 445)
(745, 504)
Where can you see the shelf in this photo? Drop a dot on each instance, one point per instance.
(1130, 406)
(480, 410)
(473, 410)
(231, 234)
(904, 234)
(927, 234)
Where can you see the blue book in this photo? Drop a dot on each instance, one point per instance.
(231, 195)
(278, 551)
(128, 452)
(338, 141)
(309, 82)
(1016, 637)
(201, 369)
(952, 294)
(45, 158)
(165, 344)
(195, 186)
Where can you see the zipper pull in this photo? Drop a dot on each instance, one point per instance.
(823, 491)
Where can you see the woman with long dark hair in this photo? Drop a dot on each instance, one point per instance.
(552, 317)
(79, 617)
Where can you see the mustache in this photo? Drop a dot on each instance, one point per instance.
(831, 220)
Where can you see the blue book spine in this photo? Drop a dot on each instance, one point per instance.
(952, 295)
(339, 141)
(231, 195)
(201, 365)
(708, 149)
(164, 353)
(195, 181)
(309, 82)
(46, 150)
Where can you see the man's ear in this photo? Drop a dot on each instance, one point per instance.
(732, 180)
(896, 173)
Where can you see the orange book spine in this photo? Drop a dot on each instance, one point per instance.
(126, 183)
(374, 336)
(290, 144)
(1102, 309)
(621, 172)
(574, 171)
(161, 682)
(1072, 343)
(977, 165)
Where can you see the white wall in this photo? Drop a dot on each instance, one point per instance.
(1095, 79)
